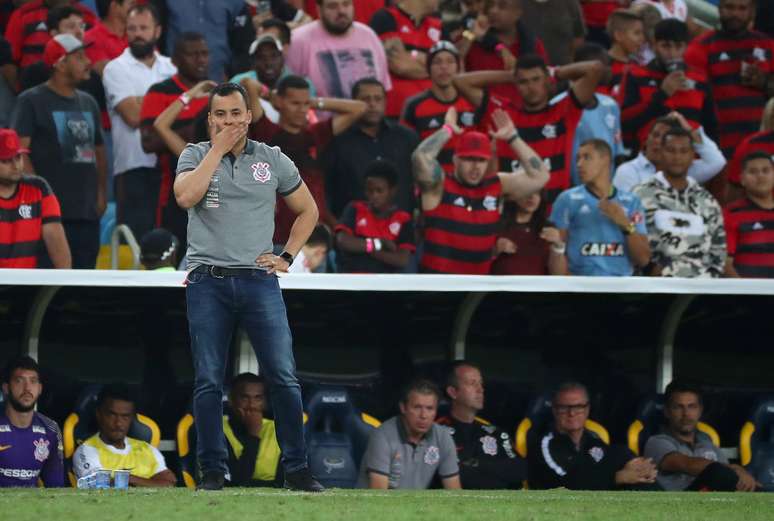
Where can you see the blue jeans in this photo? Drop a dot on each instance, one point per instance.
(216, 306)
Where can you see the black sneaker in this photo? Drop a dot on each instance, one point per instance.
(212, 480)
(303, 481)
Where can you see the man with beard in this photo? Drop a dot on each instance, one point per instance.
(191, 56)
(30, 443)
(335, 52)
(686, 458)
(126, 80)
(59, 124)
(738, 64)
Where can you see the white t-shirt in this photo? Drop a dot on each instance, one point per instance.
(679, 9)
(125, 77)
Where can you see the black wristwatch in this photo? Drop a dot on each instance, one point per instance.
(286, 257)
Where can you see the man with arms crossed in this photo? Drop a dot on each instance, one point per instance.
(229, 185)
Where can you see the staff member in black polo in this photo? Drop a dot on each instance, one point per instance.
(229, 186)
(573, 457)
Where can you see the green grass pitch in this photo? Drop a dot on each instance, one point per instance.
(358, 505)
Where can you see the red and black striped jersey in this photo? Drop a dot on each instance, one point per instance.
(617, 71)
(750, 238)
(460, 233)
(22, 217)
(719, 56)
(393, 22)
(550, 132)
(425, 113)
(160, 96)
(760, 141)
(359, 220)
(642, 100)
(27, 32)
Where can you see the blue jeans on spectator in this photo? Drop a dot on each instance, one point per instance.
(216, 306)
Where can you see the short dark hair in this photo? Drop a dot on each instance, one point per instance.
(247, 378)
(676, 387)
(419, 386)
(184, 38)
(758, 154)
(146, 8)
(671, 30)
(116, 391)
(620, 19)
(591, 51)
(676, 131)
(383, 169)
(570, 385)
(291, 81)
(321, 235)
(600, 145)
(276, 23)
(531, 61)
(20, 362)
(57, 14)
(451, 377)
(226, 89)
(103, 7)
(365, 81)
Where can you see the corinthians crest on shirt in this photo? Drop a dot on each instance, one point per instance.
(602, 249)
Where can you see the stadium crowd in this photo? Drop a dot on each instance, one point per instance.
(578, 137)
(418, 448)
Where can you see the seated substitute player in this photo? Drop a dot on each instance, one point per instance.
(159, 250)
(253, 451)
(599, 230)
(375, 236)
(686, 458)
(111, 449)
(749, 220)
(572, 457)
(485, 452)
(685, 223)
(30, 443)
(409, 450)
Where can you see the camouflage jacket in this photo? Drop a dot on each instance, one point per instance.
(685, 229)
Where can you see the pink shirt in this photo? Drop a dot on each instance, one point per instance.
(335, 63)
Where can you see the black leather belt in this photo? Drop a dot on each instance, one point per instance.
(219, 273)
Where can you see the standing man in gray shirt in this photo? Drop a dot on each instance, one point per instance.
(409, 450)
(686, 457)
(229, 186)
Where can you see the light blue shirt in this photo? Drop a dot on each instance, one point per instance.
(212, 18)
(595, 245)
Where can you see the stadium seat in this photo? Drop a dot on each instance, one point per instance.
(81, 424)
(538, 419)
(650, 418)
(756, 443)
(336, 436)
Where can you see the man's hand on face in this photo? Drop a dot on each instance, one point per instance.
(228, 137)
(253, 420)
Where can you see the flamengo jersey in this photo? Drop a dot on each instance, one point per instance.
(21, 222)
(643, 101)
(719, 56)
(27, 455)
(425, 113)
(460, 233)
(27, 32)
(750, 236)
(760, 141)
(358, 220)
(595, 245)
(617, 71)
(550, 132)
(393, 22)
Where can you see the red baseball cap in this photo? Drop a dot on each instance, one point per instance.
(60, 46)
(473, 144)
(9, 144)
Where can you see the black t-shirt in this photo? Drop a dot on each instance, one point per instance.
(64, 135)
(37, 73)
(7, 92)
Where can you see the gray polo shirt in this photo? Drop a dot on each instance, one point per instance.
(234, 222)
(660, 445)
(406, 465)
